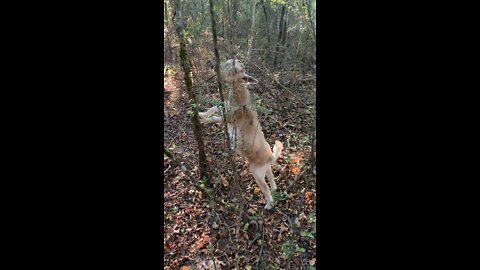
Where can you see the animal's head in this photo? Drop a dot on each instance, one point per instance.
(232, 74)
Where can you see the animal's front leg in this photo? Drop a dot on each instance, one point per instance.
(205, 117)
(213, 119)
(210, 111)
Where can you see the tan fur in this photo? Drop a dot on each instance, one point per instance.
(243, 124)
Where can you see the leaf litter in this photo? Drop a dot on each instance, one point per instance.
(194, 238)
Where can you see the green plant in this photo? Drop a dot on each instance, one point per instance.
(245, 227)
(286, 249)
(307, 234)
(280, 196)
(299, 249)
(201, 183)
(312, 218)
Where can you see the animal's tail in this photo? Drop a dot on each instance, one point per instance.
(277, 150)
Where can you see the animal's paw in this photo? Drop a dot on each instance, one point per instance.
(269, 206)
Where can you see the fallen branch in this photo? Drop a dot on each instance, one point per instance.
(296, 179)
(308, 79)
(262, 260)
(207, 80)
(172, 158)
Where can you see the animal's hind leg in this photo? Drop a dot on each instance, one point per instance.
(271, 178)
(259, 175)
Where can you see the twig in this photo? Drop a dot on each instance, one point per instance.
(308, 79)
(167, 169)
(296, 179)
(253, 241)
(291, 244)
(262, 260)
(200, 84)
(312, 143)
(266, 72)
(171, 157)
(268, 91)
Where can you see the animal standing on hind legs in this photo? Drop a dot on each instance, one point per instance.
(244, 128)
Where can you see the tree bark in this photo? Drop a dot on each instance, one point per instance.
(308, 3)
(197, 130)
(280, 28)
(220, 88)
(250, 38)
(169, 40)
(266, 23)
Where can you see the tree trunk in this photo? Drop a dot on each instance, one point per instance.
(235, 185)
(250, 39)
(285, 25)
(197, 130)
(225, 16)
(280, 34)
(266, 23)
(233, 29)
(308, 3)
(170, 53)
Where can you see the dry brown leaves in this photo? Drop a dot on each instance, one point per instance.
(189, 239)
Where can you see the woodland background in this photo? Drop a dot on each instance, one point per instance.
(214, 217)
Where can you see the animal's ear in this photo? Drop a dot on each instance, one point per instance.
(211, 64)
(249, 78)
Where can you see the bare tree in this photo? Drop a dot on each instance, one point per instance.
(280, 34)
(185, 63)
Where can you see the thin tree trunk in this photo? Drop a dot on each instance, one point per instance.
(227, 137)
(169, 40)
(312, 142)
(280, 28)
(233, 29)
(250, 39)
(266, 23)
(197, 130)
(285, 24)
(220, 88)
(308, 4)
(225, 16)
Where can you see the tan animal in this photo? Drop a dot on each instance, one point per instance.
(243, 127)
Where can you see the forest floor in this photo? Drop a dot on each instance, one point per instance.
(203, 234)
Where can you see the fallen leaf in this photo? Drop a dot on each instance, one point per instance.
(256, 190)
(308, 196)
(206, 238)
(243, 173)
(202, 242)
(244, 234)
(185, 268)
(170, 246)
(224, 181)
(297, 159)
(295, 169)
